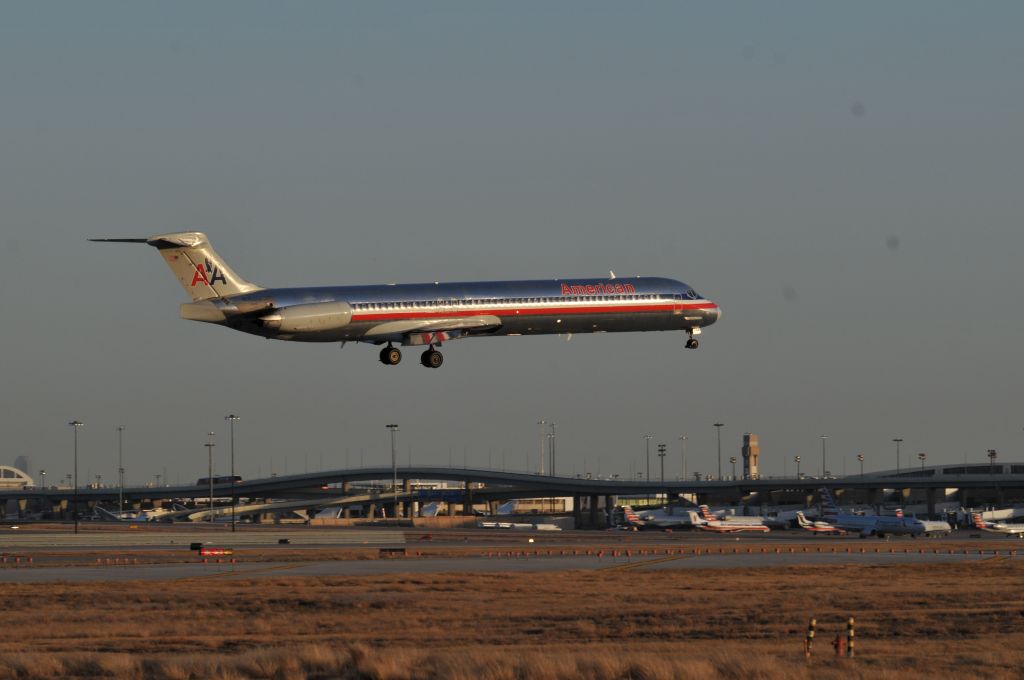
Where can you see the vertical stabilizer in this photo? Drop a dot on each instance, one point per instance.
(828, 506)
(198, 268)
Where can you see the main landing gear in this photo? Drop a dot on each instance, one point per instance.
(432, 358)
(390, 355)
(693, 343)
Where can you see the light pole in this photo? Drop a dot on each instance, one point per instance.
(75, 424)
(921, 457)
(860, 458)
(796, 459)
(718, 427)
(732, 459)
(647, 438)
(682, 439)
(42, 473)
(209, 451)
(661, 454)
(543, 436)
(898, 441)
(120, 471)
(992, 461)
(823, 466)
(551, 449)
(393, 427)
(234, 499)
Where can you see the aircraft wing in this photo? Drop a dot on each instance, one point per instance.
(399, 329)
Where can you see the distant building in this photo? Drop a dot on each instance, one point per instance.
(751, 454)
(11, 478)
(22, 463)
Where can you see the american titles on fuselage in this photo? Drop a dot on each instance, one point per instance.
(598, 289)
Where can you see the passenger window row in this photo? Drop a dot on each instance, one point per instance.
(383, 306)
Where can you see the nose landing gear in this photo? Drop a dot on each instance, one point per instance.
(692, 343)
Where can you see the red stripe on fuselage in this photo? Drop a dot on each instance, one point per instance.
(377, 315)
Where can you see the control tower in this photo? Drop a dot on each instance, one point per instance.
(751, 454)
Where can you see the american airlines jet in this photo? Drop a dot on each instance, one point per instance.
(425, 314)
(997, 527)
(879, 525)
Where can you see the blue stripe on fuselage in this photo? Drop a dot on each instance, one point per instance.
(466, 290)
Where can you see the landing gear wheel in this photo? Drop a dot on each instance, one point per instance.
(432, 358)
(390, 355)
(692, 343)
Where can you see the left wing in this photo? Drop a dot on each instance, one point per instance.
(397, 330)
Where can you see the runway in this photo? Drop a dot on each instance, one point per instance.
(506, 561)
(126, 539)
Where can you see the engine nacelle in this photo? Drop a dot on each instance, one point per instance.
(311, 318)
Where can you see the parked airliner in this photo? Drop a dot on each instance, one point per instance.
(425, 313)
(817, 527)
(997, 527)
(706, 521)
(879, 525)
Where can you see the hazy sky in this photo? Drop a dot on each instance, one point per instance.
(844, 179)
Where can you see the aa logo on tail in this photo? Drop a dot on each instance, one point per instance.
(208, 274)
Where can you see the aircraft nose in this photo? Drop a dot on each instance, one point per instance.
(714, 314)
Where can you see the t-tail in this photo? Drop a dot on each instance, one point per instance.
(705, 514)
(198, 268)
(978, 522)
(801, 519)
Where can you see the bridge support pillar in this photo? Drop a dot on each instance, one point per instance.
(371, 511)
(22, 506)
(492, 507)
(467, 504)
(930, 499)
(407, 488)
(451, 508)
(877, 498)
(346, 489)
(577, 511)
(593, 512)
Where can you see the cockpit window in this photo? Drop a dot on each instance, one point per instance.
(692, 294)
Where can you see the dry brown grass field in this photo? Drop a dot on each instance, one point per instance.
(912, 622)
